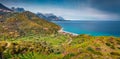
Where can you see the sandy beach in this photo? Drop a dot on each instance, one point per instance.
(66, 32)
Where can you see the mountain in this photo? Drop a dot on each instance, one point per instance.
(42, 16)
(25, 23)
(53, 17)
(50, 17)
(61, 18)
(4, 8)
(18, 9)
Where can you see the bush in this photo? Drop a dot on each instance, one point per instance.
(115, 53)
(68, 56)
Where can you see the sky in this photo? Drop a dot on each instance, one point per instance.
(71, 9)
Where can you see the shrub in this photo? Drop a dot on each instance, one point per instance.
(68, 56)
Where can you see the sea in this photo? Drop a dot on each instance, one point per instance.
(94, 28)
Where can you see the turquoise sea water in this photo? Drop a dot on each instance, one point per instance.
(95, 28)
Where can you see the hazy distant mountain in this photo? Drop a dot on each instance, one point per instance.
(18, 9)
(50, 17)
(54, 17)
(61, 18)
(42, 16)
(4, 8)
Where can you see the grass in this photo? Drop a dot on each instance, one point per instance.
(56, 47)
(26, 36)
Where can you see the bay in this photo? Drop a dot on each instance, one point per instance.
(94, 28)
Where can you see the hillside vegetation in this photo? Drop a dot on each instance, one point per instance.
(26, 36)
(61, 47)
(26, 23)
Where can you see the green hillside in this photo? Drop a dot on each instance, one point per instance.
(61, 47)
(26, 23)
(91, 47)
(26, 36)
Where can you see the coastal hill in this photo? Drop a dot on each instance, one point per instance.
(19, 24)
(27, 36)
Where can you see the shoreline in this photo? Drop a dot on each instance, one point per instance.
(66, 32)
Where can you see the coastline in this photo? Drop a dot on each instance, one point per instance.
(66, 32)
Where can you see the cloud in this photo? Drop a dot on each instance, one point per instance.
(86, 13)
(112, 6)
(73, 10)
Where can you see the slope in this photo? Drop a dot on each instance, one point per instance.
(26, 23)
